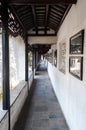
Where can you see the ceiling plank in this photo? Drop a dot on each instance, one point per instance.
(25, 2)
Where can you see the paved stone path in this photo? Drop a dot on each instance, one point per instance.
(44, 112)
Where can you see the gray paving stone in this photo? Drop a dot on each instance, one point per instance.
(43, 112)
(41, 108)
(41, 123)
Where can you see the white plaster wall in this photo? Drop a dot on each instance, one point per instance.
(70, 91)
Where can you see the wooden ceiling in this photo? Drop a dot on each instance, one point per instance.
(40, 17)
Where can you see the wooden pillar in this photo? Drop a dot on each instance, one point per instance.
(5, 56)
(39, 57)
(26, 58)
(5, 59)
(36, 58)
(33, 60)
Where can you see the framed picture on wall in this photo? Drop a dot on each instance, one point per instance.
(76, 43)
(76, 66)
(55, 58)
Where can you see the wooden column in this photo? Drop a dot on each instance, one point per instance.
(36, 58)
(5, 56)
(33, 60)
(26, 58)
(5, 59)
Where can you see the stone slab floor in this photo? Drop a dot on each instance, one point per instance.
(43, 112)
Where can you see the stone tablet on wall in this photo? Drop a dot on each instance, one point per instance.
(62, 57)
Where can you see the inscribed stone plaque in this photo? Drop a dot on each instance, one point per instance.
(62, 57)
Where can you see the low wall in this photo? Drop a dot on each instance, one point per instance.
(18, 97)
(20, 94)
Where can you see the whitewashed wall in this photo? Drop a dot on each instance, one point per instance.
(70, 91)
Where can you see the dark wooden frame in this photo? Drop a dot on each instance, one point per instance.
(81, 67)
(75, 37)
(55, 58)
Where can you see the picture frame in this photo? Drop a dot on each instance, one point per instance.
(76, 43)
(55, 58)
(76, 66)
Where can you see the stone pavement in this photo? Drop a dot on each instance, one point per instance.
(43, 112)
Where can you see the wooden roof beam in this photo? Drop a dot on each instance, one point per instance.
(46, 17)
(34, 18)
(25, 2)
(54, 34)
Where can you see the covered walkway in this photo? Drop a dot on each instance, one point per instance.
(43, 112)
(32, 31)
